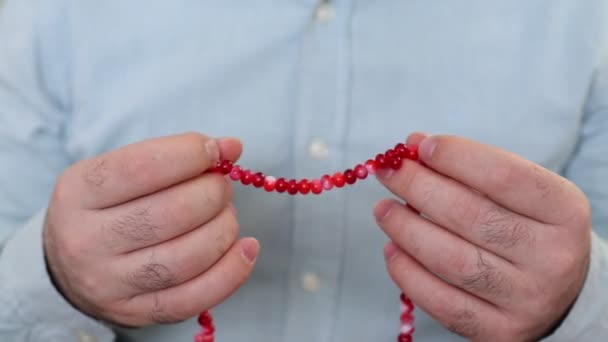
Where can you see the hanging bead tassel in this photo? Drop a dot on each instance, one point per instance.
(406, 310)
(392, 158)
(207, 328)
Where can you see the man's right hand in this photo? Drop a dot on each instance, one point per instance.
(142, 235)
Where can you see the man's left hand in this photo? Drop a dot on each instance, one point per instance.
(501, 248)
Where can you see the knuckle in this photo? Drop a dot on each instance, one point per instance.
(497, 226)
(233, 226)
(457, 262)
(161, 314)
(514, 329)
(91, 284)
(486, 279)
(215, 192)
(73, 246)
(95, 171)
(135, 226)
(464, 322)
(406, 178)
(541, 181)
(466, 209)
(228, 234)
(428, 191)
(564, 263)
(124, 314)
(440, 151)
(178, 209)
(151, 276)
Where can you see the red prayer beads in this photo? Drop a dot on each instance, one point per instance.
(392, 158)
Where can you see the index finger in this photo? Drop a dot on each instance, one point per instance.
(517, 184)
(142, 168)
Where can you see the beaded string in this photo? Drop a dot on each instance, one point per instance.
(392, 158)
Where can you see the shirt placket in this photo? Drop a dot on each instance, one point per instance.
(318, 221)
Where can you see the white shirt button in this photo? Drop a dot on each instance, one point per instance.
(318, 149)
(84, 337)
(325, 12)
(310, 282)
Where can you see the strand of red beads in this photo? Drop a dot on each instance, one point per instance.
(205, 320)
(392, 158)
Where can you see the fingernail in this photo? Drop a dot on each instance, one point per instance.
(390, 251)
(382, 209)
(385, 173)
(427, 148)
(415, 138)
(213, 150)
(249, 249)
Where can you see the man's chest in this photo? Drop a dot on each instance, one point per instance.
(275, 76)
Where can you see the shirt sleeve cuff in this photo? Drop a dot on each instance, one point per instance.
(32, 308)
(588, 318)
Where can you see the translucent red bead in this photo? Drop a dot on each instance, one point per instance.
(350, 177)
(304, 187)
(361, 171)
(270, 184)
(338, 179)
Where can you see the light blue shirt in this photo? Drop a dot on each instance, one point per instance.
(308, 92)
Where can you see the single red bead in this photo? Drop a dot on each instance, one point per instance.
(205, 319)
(361, 171)
(292, 187)
(338, 179)
(316, 187)
(396, 163)
(401, 150)
(327, 182)
(407, 317)
(390, 154)
(371, 166)
(208, 338)
(247, 177)
(404, 338)
(225, 167)
(381, 161)
(304, 186)
(281, 186)
(412, 153)
(235, 173)
(270, 183)
(210, 329)
(350, 177)
(258, 180)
